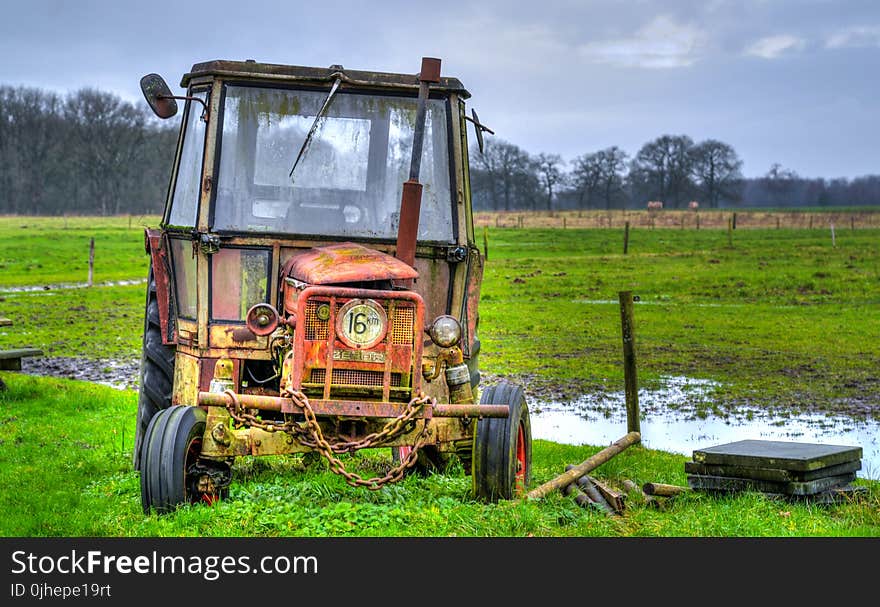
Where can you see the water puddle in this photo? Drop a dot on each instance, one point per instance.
(74, 285)
(668, 423)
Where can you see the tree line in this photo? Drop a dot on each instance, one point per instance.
(91, 152)
(87, 152)
(671, 168)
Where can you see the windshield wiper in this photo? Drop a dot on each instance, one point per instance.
(312, 130)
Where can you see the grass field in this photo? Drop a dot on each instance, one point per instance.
(65, 449)
(780, 318)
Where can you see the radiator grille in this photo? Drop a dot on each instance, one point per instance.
(401, 329)
(316, 329)
(402, 326)
(354, 377)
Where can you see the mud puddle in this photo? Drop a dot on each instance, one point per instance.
(668, 423)
(122, 375)
(61, 287)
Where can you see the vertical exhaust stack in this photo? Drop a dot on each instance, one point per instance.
(411, 200)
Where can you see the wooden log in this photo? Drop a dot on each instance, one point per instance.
(591, 463)
(580, 498)
(594, 494)
(615, 499)
(663, 490)
(590, 489)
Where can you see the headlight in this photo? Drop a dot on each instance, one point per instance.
(445, 331)
(361, 323)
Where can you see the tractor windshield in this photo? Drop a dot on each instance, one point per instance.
(347, 183)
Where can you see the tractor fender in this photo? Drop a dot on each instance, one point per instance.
(154, 244)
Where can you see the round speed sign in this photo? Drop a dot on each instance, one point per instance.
(361, 323)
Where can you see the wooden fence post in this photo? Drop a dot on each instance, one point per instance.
(631, 381)
(626, 238)
(91, 262)
(486, 243)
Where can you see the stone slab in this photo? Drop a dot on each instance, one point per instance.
(727, 483)
(782, 455)
(771, 474)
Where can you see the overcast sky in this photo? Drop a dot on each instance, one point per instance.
(788, 81)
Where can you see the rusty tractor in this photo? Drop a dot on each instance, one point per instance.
(314, 284)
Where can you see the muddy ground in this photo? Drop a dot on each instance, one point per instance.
(119, 374)
(125, 374)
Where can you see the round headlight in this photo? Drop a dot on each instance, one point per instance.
(445, 331)
(361, 323)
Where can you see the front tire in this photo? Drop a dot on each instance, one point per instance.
(169, 460)
(502, 454)
(157, 371)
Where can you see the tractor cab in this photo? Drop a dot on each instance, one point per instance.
(315, 280)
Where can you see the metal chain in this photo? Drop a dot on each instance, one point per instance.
(311, 435)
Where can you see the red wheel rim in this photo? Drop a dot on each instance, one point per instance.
(520, 478)
(403, 451)
(192, 454)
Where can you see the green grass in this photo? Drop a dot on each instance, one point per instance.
(65, 461)
(55, 250)
(781, 319)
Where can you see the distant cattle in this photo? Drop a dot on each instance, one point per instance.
(655, 204)
(693, 204)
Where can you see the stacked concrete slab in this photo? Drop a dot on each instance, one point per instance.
(790, 469)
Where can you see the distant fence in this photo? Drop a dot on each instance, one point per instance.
(681, 219)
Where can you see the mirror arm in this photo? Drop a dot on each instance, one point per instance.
(479, 126)
(204, 105)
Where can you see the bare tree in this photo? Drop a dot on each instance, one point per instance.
(29, 138)
(716, 167)
(506, 172)
(550, 174)
(662, 170)
(109, 134)
(586, 175)
(612, 163)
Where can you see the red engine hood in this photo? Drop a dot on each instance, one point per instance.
(343, 263)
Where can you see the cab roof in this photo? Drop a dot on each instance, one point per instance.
(251, 69)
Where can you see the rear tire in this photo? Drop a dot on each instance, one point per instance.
(502, 454)
(172, 445)
(157, 371)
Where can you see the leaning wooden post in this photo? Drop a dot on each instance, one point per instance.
(91, 261)
(626, 238)
(630, 376)
(570, 476)
(485, 242)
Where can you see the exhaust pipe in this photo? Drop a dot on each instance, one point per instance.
(411, 199)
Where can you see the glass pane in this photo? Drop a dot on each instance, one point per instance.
(350, 178)
(185, 202)
(239, 280)
(184, 277)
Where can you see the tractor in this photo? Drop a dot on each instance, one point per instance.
(314, 285)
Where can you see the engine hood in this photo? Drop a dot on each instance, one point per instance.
(344, 263)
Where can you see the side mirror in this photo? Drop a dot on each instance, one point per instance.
(479, 128)
(158, 96)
